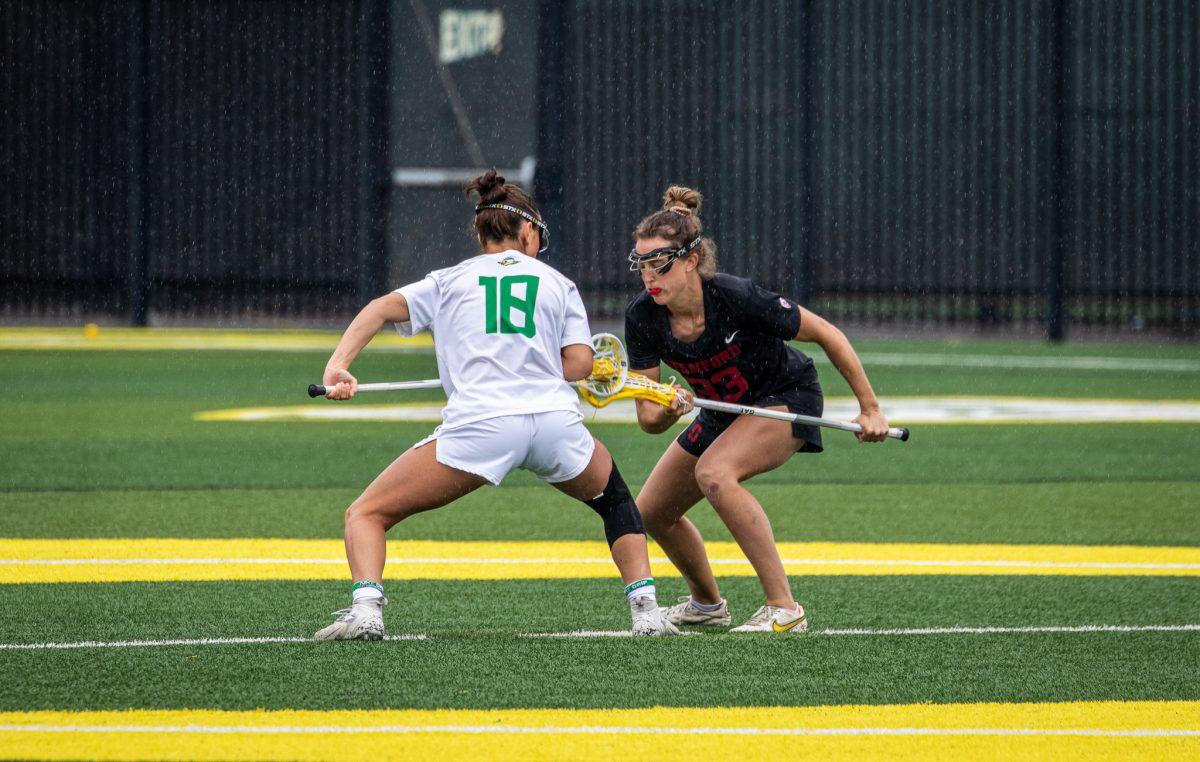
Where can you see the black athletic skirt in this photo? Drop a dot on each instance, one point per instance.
(805, 400)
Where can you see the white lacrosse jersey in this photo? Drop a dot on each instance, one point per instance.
(499, 324)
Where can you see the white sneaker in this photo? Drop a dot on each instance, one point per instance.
(686, 612)
(362, 621)
(648, 619)
(775, 619)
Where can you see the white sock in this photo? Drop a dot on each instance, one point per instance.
(367, 592)
(705, 606)
(641, 594)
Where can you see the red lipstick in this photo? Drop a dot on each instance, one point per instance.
(654, 291)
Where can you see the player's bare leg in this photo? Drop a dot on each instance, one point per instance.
(413, 483)
(669, 492)
(748, 447)
(629, 551)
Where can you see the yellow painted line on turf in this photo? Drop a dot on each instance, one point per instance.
(192, 339)
(1067, 730)
(127, 560)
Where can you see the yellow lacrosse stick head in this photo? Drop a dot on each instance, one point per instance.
(636, 386)
(610, 365)
(611, 380)
(604, 369)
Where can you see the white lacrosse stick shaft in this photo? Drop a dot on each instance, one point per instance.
(316, 390)
(779, 415)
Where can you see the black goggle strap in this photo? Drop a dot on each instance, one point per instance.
(636, 260)
(541, 226)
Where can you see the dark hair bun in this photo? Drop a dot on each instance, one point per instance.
(489, 186)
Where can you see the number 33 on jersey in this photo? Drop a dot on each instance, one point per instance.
(499, 322)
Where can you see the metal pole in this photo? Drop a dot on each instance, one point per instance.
(138, 274)
(1057, 207)
(802, 270)
(374, 179)
(552, 107)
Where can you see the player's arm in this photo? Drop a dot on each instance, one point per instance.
(837, 348)
(576, 342)
(390, 308)
(577, 361)
(653, 417)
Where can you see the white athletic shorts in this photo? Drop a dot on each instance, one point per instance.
(555, 446)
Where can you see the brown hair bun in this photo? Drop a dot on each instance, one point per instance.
(489, 186)
(679, 198)
(499, 224)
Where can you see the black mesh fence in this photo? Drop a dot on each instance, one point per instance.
(1022, 166)
(200, 157)
(253, 157)
(948, 163)
(64, 143)
(1133, 100)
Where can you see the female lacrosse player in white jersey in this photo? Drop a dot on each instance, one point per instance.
(727, 337)
(509, 332)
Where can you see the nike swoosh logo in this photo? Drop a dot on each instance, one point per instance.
(784, 628)
(729, 338)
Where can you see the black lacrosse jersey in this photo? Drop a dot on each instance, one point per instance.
(742, 355)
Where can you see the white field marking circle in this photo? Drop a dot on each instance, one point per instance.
(177, 642)
(1066, 629)
(906, 410)
(625, 730)
(790, 562)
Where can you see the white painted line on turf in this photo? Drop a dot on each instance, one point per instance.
(179, 642)
(919, 359)
(140, 339)
(998, 563)
(1087, 628)
(791, 562)
(606, 634)
(592, 634)
(600, 730)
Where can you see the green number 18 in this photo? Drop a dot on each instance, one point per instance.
(500, 302)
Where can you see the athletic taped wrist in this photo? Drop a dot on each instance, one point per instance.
(615, 505)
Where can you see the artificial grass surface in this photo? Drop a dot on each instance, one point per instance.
(1083, 513)
(119, 420)
(474, 658)
(103, 444)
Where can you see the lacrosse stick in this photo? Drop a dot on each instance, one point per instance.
(609, 370)
(316, 390)
(637, 386)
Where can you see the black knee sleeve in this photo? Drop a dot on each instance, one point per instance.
(615, 505)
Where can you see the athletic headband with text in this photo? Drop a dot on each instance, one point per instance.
(541, 226)
(636, 260)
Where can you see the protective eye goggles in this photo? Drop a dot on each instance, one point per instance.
(543, 231)
(636, 261)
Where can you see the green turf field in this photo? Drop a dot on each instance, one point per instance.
(103, 445)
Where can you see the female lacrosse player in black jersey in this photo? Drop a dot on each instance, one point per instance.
(727, 337)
